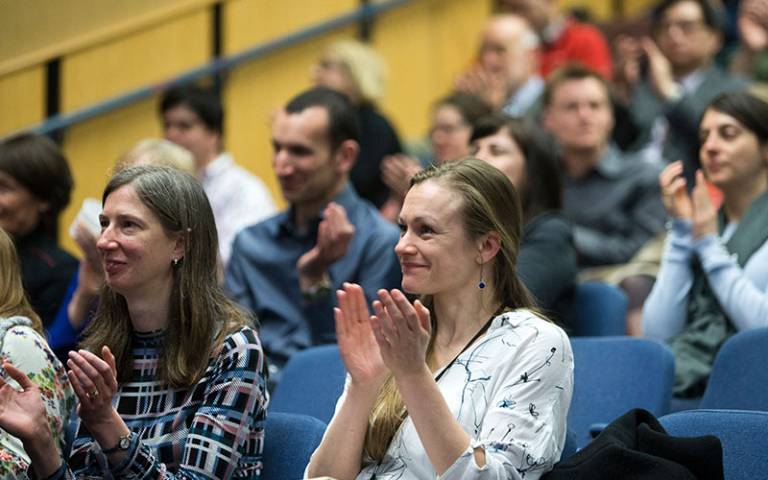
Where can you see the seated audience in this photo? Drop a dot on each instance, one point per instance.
(23, 349)
(506, 74)
(564, 39)
(546, 262)
(453, 118)
(751, 57)
(713, 279)
(35, 187)
(357, 71)
(468, 381)
(611, 198)
(285, 268)
(80, 302)
(669, 80)
(194, 119)
(172, 379)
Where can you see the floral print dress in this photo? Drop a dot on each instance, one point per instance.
(27, 350)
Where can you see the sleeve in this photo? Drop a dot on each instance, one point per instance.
(547, 262)
(235, 281)
(523, 430)
(664, 312)
(226, 435)
(744, 302)
(60, 333)
(646, 220)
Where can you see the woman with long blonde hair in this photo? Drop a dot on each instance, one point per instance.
(468, 381)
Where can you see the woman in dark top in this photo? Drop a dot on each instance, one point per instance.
(355, 70)
(547, 260)
(35, 186)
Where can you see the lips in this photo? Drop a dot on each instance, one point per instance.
(410, 266)
(113, 267)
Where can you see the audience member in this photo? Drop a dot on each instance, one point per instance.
(564, 39)
(357, 71)
(180, 347)
(194, 118)
(284, 268)
(80, 302)
(506, 75)
(35, 186)
(751, 57)
(668, 81)
(546, 262)
(611, 199)
(23, 349)
(713, 279)
(468, 381)
(453, 118)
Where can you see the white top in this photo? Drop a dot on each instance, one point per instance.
(742, 293)
(510, 391)
(238, 199)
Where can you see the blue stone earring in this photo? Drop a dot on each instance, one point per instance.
(481, 283)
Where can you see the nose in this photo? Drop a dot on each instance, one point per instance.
(282, 163)
(404, 246)
(106, 240)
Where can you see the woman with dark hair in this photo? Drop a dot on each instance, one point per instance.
(171, 378)
(35, 186)
(547, 260)
(713, 279)
(469, 381)
(22, 345)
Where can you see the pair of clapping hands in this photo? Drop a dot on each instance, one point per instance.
(393, 339)
(696, 207)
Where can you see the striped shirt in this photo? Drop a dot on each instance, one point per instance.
(215, 429)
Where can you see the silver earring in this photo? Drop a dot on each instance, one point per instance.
(175, 262)
(481, 283)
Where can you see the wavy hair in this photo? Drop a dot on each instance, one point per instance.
(13, 300)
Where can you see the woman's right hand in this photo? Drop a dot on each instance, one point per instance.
(95, 383)
(357, 345)
(673, 191)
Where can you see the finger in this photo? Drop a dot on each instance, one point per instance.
(106, 354)
(21, 378)
(378, 333)
(385, 312)
(91, 377)
(338, 316)
(424, 316)
(359, 303)
(411, 320)
(80, 387)
(669, 173)
(700, 193)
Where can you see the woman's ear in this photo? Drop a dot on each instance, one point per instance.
(489, 245)
(180, 246)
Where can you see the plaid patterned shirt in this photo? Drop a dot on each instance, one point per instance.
(215, 429)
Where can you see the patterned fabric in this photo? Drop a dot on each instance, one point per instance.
(510, 391)
(214, 429)
(27, 350)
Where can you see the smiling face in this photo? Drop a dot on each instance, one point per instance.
(501, 151)
(730, 154)
(435, 253)
(19, 208)
(136, 251)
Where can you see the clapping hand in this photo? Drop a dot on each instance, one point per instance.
(334, 234)
(95, 383)
(402, 331)
(697, 207)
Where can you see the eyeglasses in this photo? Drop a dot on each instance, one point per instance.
(687, 27)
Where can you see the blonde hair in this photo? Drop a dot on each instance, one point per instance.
(13, 301)
(489, 203)
(365, 66)
(156, 151)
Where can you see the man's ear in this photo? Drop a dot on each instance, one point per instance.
(489, 245)
(346, 155)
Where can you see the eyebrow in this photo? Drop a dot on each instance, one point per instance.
(418, 219)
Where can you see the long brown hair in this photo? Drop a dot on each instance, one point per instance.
(200, 315)
(13, 301)
(489, 204)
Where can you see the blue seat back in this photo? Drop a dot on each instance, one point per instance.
(599, 309)
(615, 374)
(289, 440)
(739, 378)
(743, 435)
(311, 383)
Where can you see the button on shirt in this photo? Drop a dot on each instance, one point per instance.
(262, 274)
(238, 199)
(615, 208)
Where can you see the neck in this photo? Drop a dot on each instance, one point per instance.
(681, 71)
(149, 312)
(305, 212)
(578, 162)
(736, 201)
(202, 163)
(461, 315)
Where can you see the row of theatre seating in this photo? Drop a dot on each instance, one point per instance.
(613, 374)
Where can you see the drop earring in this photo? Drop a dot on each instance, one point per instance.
(481, 283)
(175, 262)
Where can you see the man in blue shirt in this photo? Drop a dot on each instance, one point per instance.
(287, 267)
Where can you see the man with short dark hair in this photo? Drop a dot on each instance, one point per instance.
(287, 267)
(193, 118)
(612, 200)
(667, 82)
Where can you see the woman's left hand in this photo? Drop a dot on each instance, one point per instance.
(402, 331)
(95, 383)
(704, 213)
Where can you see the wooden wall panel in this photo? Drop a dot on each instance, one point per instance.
(22, 99)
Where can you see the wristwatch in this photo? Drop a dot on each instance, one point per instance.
(123, 444)
(319, 290)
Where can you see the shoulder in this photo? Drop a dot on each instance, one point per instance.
(528, 326)
(47, 255)
(547, 225)
(243, 346)
(263, 231)
(370, 224)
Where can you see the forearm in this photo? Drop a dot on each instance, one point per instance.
(43, 454)
(340, 453)
(78, 308)
(442, 437)
(107, 434)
